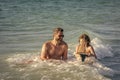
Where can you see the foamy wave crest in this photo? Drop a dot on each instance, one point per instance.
(102, 50)
(23, 58)
(56, 69)
(103, 69)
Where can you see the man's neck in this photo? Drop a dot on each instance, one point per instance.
(55, 42)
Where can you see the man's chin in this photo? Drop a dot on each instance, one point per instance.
(59, 41)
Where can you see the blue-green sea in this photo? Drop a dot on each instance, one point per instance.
(26, 24)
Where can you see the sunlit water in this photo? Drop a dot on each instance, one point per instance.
(26, 24)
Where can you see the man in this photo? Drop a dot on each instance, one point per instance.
(56, 48)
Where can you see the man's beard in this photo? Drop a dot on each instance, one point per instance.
(58, 40)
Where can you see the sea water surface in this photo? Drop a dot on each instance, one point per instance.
(26, 24)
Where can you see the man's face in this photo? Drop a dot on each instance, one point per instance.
(59, 36)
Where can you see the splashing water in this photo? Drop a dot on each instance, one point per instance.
(101, 49)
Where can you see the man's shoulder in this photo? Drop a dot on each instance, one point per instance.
(47, 43)
(64, 43)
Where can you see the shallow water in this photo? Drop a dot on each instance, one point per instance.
(26, 24)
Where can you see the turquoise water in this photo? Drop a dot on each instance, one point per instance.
(26, 24)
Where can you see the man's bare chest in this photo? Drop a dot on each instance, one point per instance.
(58, 51)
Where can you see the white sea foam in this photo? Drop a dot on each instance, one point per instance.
(102, 50)
(72, 69)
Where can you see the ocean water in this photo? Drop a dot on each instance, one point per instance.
(26, 24)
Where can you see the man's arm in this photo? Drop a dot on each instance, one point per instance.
(64, 57)
(43, 54)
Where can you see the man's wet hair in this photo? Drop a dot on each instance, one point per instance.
(58, 29)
